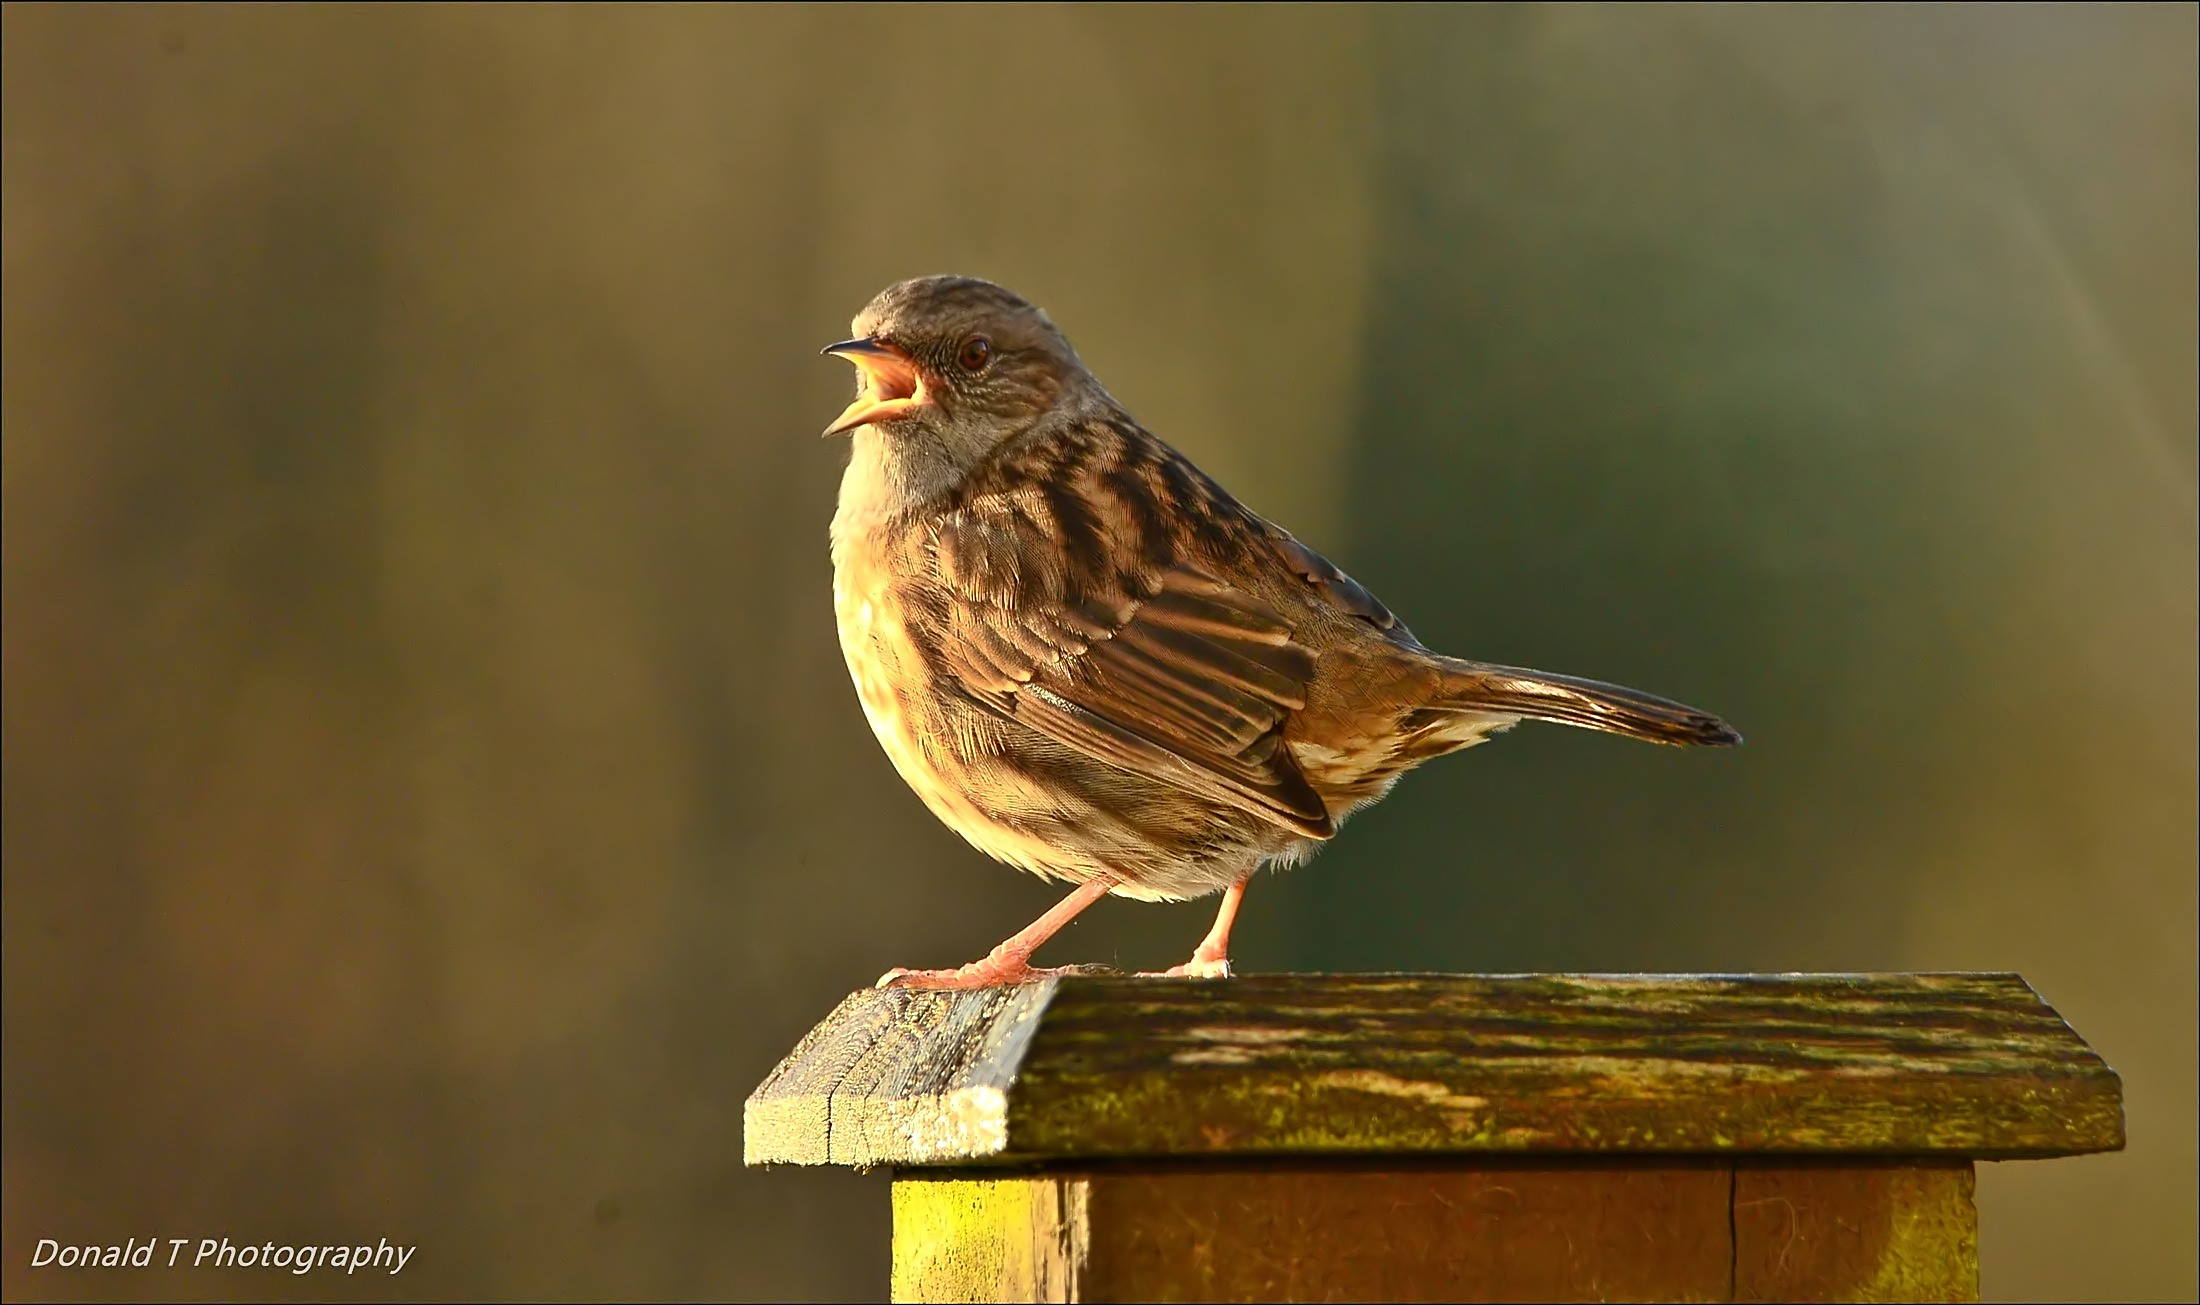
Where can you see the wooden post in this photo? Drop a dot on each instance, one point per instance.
(1440, 1137)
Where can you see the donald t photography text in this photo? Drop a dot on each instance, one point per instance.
(221, 1253)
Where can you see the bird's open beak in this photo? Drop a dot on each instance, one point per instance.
(891, 385)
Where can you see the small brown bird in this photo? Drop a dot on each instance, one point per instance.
(1092, 662)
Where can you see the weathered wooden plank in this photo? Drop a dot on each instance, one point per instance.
(1971, 1065)
(1900, 1230)
(1493, 1231)
(896, 1076)
(792, 1107)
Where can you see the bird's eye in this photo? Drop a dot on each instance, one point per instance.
(976, 352)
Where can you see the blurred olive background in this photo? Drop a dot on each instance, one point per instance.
(435, 797)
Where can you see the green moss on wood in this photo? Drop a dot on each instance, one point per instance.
(1971, 1065)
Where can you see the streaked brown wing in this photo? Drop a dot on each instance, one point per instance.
(1346, 593)
(1157, 668)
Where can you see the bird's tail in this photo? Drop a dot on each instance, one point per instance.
(1565, 700)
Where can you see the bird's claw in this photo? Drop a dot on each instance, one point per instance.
(991, 972)
(1199, 967)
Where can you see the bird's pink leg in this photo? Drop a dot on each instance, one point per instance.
(1011, 961)
(1211, 959)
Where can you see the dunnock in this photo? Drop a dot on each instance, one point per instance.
(1092, 662)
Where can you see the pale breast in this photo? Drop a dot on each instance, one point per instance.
(944, 748)
(885, 666)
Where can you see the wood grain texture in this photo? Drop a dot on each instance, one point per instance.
(1566, 1229)
(896, 1077)
(1969, 1065)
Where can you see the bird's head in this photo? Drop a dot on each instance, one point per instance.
(958, 364)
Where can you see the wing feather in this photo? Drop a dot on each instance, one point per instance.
(1101, 638)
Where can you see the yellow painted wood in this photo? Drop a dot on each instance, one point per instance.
(969, 1239)
(1484, 1230)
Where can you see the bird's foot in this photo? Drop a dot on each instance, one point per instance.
(993, 972)
(1199, 967)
